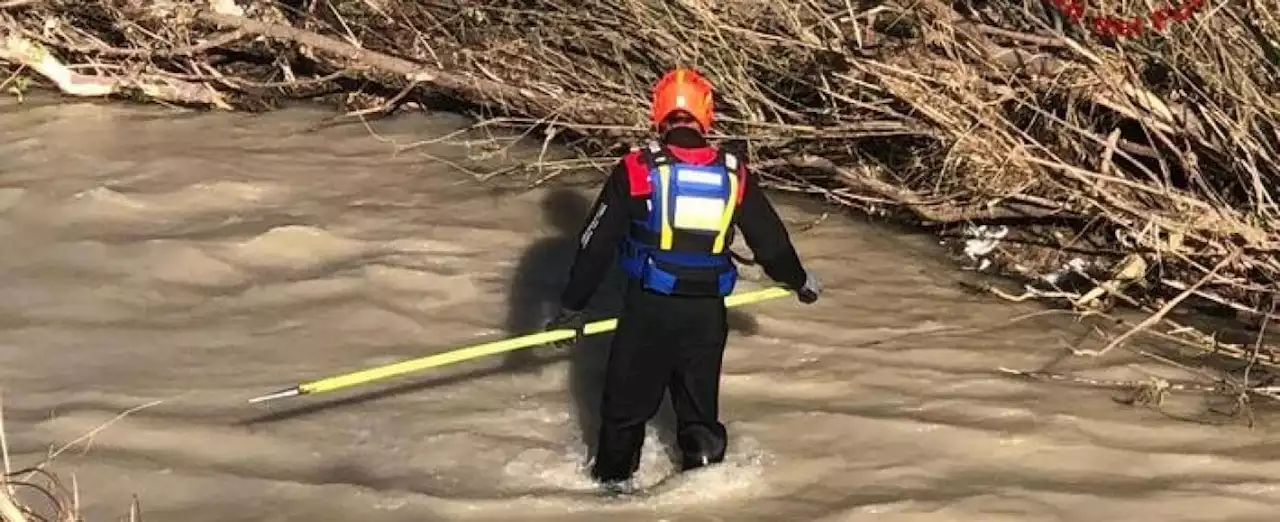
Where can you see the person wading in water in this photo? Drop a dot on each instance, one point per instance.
(669, 211)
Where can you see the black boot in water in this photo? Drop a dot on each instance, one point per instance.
(700, 447)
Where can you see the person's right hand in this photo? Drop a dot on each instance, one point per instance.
(567, 319)
(811, 289)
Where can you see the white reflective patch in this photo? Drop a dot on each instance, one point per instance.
(591, 227)
(697, 213)
(702, 178)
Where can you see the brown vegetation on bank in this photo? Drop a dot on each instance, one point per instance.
(35, 494)
(1150, 160)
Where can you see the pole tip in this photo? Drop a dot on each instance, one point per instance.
(287, 392)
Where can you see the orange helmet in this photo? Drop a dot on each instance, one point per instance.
(683, 90)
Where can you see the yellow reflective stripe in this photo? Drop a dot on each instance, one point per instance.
(664, 182)
(727, 217)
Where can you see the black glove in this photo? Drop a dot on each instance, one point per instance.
(568, 319)
(811, 289)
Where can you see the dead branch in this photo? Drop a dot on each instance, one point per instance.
(21, 51)
(470, 86)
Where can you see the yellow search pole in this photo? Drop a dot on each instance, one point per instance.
(480, 350)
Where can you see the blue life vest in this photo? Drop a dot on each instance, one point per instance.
(682, 248)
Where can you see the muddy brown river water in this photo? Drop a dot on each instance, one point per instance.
(200, 260)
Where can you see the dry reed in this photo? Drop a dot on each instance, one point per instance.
(37, 494)
(17, 489)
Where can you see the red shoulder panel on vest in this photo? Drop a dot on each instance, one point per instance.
(637, 173)
(640, 185)
(742, 181)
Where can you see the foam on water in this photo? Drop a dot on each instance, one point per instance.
(206, 260)
(104, 205)
(297, 248)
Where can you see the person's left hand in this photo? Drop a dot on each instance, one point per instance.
(811, 289)
(568, 319)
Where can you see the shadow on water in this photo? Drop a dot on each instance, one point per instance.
(539, 279)
(534, 296)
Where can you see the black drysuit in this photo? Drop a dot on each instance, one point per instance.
(666, 342)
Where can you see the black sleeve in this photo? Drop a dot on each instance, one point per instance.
(767, 237)
(598, 241)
